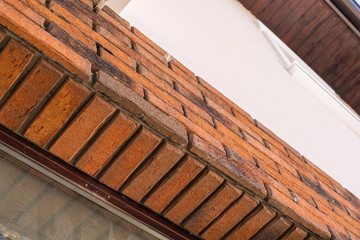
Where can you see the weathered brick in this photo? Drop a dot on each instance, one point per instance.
(71, 15)
(140, 107)
(133, 154)
(243, 116)
(197, 119)
(114, 59)
(170, 187)
(56, 112)
(210, 97)
(149, 174)
(193, 197)
(28, 95)
(82, 128)
(253, 224)
(116, 38)
(182, 74)
(233, 167)
(163, 104)
(28, 12)
(37, 36)
(101, 150)
(155, 79)
(88, 3)
(212, 208)
(148, 41)
(185, 88)
(353, 236)
(296, 234)
(298, 213)
(152, 57)
(113, 15)
(13, 60)
(274, 229)
(183, 68)
(2, 35)
(233, 215)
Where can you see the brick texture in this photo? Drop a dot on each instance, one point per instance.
(84, 85)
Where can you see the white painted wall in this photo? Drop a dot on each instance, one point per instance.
(218, 40)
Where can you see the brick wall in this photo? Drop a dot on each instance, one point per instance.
(89, 88)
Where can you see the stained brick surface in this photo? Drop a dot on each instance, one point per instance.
(28, 95)
(79, 131)
(13, 60)
(154, 131)
(56, 112)
(136, 151)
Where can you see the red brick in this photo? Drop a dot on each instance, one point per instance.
(28, 12)
(233, 215)
(88, 3)
(28, 95)
(102, 149)
(212, 208)
(253, 224)
(132, 102)
(274, 229)
(56, 112)
(298, 213)
(116, 17)
(161, 82)
(197, 119)
(133, 154)
(165, 104)
(148, 41)
(233, 167)
(183, 68)
(168, 189)
(73, 17)
(114, 59)
(296, 234)
(210, 97)
(186, 89)
(193, 197)
(182, 74)
(353, 236)
(13, 60)
(152, 57)
(149, 174)
(82, 128)
(50, 46)
(243, 116)
(117, 38)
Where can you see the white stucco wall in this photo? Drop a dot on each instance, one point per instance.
(218, 40)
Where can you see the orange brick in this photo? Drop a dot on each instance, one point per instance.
(72, 15)
(105, 145)
(212, 208)
(13, 60)
(148, 41)
(82, 128)
(163, 104)
(197, 119)
(298, 213)
(138, 106)
(274, 229)
(116, 17)
(170, 187)
(296, 234)
(232, 216)
(38, 37)
(133, 154)
(87, 2)
(161, 82)
(114, 59)
(28, 95)
(209, 96)
(193, 197)
(243, 116)
(149, 174)
(191, 92)
(180, 66)
(27, 11)
(117, 38)
(152, 57)
(56, 112)
(253, 224)
(182, 74)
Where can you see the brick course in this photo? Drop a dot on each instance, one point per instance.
(101, 96)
